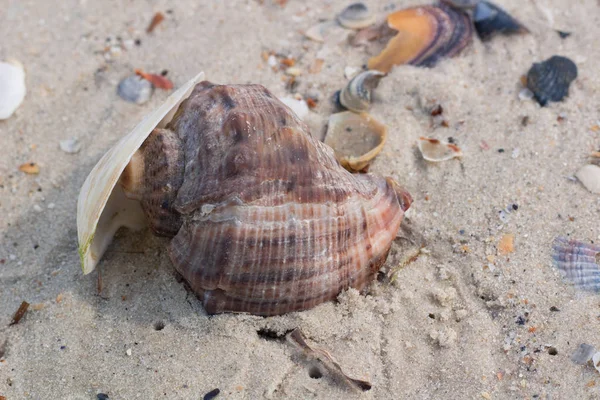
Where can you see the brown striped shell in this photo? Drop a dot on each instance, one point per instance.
(264, 219)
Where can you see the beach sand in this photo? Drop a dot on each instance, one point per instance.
(462, 321)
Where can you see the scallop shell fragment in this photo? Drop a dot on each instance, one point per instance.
(356, 16)
(436, 150)
(578, 262)
(12, 87)
(102, 207)
(425, 35)
(356, 96)
(355, 138)
(550, 79)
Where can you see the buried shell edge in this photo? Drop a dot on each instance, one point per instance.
(102, 206)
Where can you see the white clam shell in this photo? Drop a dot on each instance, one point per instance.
(589, 176)
(12, 87)
(102, 207)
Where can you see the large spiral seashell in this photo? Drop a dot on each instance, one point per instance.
(263, 219)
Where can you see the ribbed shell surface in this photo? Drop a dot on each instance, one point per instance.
(271, 223)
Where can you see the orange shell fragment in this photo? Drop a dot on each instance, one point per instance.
(30, 168)
(415, 29)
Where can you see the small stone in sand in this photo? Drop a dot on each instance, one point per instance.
(589, 176)
(212, 394)
(70, 146)
(128, 352)
(583, 354)
(135, 89)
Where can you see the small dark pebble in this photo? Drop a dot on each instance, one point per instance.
(500, 150)
(102, 396)
(515, 207)
(212, 394)
(432, 316)
(462, 231)
(554, 308)
(63, 347)
(138, 42)
(521, 321)
(164, 72)
(525, 120)
(552, 351)
(451, 140)
(563, 34)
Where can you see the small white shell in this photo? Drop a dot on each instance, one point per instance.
(12, 87)
(435, 150)
(596, 361)
(589, 176)
(102, 207)
(356, 16)
(356, 96)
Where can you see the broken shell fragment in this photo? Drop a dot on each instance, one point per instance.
(102, 207)
(356, 96)
(550, 79)
(578, 262)
(12, 87)
(490, 19)
(425, 35)
(135, 89)
(436, 150)
(298, 106)
(356, 16)
(589, 176)
(355, 138)
(596, 361)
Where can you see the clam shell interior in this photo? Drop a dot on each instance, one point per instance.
(435, 150)
(102, 207)
(356, 138)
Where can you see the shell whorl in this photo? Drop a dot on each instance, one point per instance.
(270, 222)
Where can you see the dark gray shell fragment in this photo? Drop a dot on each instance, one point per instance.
(490, 19)
(550, 80)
